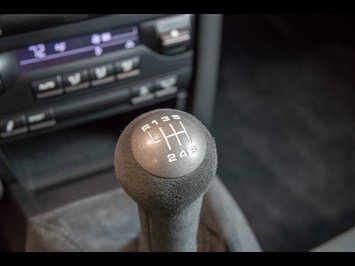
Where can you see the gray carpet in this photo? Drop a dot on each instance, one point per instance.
(285, 132)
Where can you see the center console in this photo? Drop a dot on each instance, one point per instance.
(69, 86)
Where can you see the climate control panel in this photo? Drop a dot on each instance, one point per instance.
(112, 64)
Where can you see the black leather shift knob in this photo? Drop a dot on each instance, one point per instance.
(165, 160)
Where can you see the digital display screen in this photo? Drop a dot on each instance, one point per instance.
(67, 50)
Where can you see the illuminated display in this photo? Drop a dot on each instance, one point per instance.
(67, 50)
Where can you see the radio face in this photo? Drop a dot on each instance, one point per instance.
(119, 66)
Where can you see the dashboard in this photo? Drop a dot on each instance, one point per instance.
(86, 70)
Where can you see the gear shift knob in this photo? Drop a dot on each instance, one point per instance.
(165, 160)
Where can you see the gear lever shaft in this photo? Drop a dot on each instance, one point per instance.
(165, 160)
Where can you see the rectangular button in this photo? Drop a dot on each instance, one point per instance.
(142, 89)
(40, 119)
(174, 34)
(13, 126)
(76, 80)
(47, 87)
(142, 93)
(102, 74)
(128, 68)
(166, 82)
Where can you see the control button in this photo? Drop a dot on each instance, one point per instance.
(13, 126)
(102, 74)
(174, 34)
(128, 68)
(142, 93)
(166, 82)
(40, 119)
(76, 80)
(166, 86)
(175, 37)
(142, 89)
(47, 87)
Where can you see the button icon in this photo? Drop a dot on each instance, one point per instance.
(10, 126)
(46, 85)
(36, 118)
(100, 72)
(98, 51)
(128, 68)
(129, 44)
(74, 79)
(143, 90)
(106, 37)
(142, 93)
(166, 82)
(41, 119)
(169, 82)
(95, 39)
(127, 65)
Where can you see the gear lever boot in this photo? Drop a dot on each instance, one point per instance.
(165, 160)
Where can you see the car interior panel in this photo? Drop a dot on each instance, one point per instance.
(177, 133)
